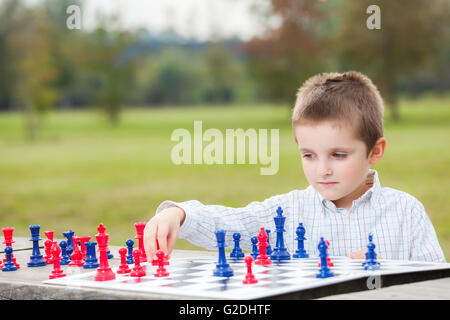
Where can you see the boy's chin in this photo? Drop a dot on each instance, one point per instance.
(330, 195)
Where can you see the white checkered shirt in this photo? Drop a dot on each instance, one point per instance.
(400, 226)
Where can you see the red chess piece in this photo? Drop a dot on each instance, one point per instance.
(140, 226)
(8, 234)
(101, 231)
(166, 257)
(77, 256)
(138, 270)
(263, 259)
(249, 277)
(49, 234)
(48, 251)
(123, 268)
(104, 271)
(83, 240)
(57, 272)
(161, 271)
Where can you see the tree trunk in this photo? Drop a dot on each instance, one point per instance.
(31, 125)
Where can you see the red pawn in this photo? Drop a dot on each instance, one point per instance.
(138, 270)
(166, 257)
(249, 277)
(123, 268)
(263, 259)
(161, 271)
(57, 272)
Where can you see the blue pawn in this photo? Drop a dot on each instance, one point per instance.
(269, 248)
(371, 262)
(255, 251)
(237, 251)
(324, 271)
(91, 259)
(36, 259)
(223, 269)
(280, 252)
(109, 254)
(65, 257)
(69, 235)
(301, 252)
(9, 265)
(130, 244)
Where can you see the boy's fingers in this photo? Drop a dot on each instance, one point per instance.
(150, 239)
(357, 254)
(162, 238)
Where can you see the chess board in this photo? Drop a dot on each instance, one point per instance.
(194, 278)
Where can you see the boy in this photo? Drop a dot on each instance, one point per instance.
(338, 127)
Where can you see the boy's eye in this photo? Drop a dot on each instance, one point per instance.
(339, 155)
(308, 155)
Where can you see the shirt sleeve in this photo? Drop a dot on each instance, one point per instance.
(424, 243)
(202, 220)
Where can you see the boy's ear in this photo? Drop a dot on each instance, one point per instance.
(377, 151)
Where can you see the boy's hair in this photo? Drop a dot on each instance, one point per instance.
(349, 97)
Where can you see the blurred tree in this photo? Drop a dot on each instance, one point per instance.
(412, 33)
(107, 53)
(62, 40)
(292, 50)
(221, 72)
(175, 76)
(34, 67)
(9, 20)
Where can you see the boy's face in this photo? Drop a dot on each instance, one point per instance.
(334, 160)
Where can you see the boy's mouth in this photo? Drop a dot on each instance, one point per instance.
(327, 184)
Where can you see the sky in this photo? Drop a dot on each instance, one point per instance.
(195, 19)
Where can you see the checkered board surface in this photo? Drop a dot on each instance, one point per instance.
(194, 278)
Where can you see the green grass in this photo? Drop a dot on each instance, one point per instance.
(81, 171)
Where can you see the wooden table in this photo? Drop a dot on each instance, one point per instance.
(27, 283)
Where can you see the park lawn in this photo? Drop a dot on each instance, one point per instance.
(82, 171)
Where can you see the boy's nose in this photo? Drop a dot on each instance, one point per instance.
(324, 170)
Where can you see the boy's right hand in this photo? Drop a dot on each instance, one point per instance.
(164, 228)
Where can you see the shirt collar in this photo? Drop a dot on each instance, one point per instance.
(371, 194)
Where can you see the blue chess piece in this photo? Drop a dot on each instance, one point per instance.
(269, 248)
(255, 252)
(69, 235)
(65, 257)
(130, 244)
(237, 251)
(223, 269)
(324, 271)
(91, 261)
(301, 252)
(36, 259)
(9, 264)
(280, 252)
(371, 262)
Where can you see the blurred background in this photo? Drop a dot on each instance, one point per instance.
(86, 114)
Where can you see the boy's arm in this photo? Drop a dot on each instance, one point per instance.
(424, 242)
(202, 220)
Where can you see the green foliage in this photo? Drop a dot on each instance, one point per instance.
(412, 36)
